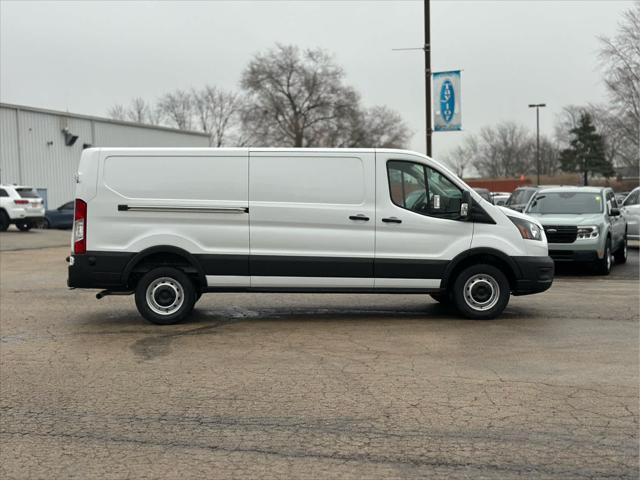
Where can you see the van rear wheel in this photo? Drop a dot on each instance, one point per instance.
(481, 292)
(165, 296)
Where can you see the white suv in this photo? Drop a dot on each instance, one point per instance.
(21, 206)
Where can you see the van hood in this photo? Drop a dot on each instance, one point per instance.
(514, 213)
(569, 219)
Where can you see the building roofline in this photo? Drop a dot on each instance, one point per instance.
(100, 119)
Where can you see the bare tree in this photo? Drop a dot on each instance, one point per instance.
(463, 157)
(505, 150)
(138, 111)
(218, 114)
(381, 127)
(118, 112)
(549, 156)
(295, 98)
(620, 56)
(176, 108)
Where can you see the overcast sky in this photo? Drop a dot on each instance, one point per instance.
(85, 56)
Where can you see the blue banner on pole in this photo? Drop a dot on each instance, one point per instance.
(447, 101)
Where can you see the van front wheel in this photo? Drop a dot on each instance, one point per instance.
(481, 292)
(165, 296)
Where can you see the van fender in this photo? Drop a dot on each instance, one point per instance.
(140, 256)
(478, 252)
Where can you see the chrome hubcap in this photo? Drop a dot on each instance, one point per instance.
(481, 292)
(165, 296)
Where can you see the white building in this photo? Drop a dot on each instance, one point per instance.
(41, 148)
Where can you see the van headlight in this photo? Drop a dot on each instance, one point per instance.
(528, 230)
(588, 232)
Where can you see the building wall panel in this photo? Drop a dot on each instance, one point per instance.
(35, 137)
(9, 161)
(46, 161)
(114, 135)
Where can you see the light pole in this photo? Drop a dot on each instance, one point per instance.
(427, 67)
(537, 106)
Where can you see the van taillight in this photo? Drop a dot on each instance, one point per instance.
(80, 227)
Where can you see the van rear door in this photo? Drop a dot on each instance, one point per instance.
(312, 217)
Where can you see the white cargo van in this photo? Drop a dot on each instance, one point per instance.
(170, 224)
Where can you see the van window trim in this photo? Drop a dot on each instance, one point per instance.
(424, 169)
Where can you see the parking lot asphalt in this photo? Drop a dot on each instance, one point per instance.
(317, 386)
(14, 239)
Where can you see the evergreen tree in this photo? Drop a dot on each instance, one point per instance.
(586, 153)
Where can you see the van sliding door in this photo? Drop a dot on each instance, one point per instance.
(312, 219)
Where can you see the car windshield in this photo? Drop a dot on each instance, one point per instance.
(520, 197)
(570, 203)
(27, 192)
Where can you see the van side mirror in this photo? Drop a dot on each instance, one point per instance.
(465, 205)
(615, 212)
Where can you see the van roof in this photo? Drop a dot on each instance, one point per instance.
(253, 149)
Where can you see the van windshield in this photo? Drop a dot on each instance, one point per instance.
(570, 203)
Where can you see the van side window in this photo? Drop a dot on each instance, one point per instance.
(407, 185)
(423, 190)
(444, 197)
(3, 193)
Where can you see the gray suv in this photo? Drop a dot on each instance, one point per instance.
(582, 224)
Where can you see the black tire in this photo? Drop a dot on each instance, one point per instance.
(45, 224)
(603, 266)
(4, 221)
(24, 226)
(442, 297)
(487, 292)
(173, 291)
(621, 254)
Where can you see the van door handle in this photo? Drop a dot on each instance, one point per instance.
(364, 218)
(391, 220)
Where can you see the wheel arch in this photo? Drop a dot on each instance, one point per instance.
(475, 256)
(165, 255)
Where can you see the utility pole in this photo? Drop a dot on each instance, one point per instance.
(537, 106)
(427, 68)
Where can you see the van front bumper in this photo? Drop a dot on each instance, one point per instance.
(536, 275)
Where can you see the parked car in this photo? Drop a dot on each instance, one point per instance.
(484, 193)
(61, 217)
(500, 198)
(582, 224)
(520, 197)
(168, 225)
(20, 206)
(620, 196)
(631, 212)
